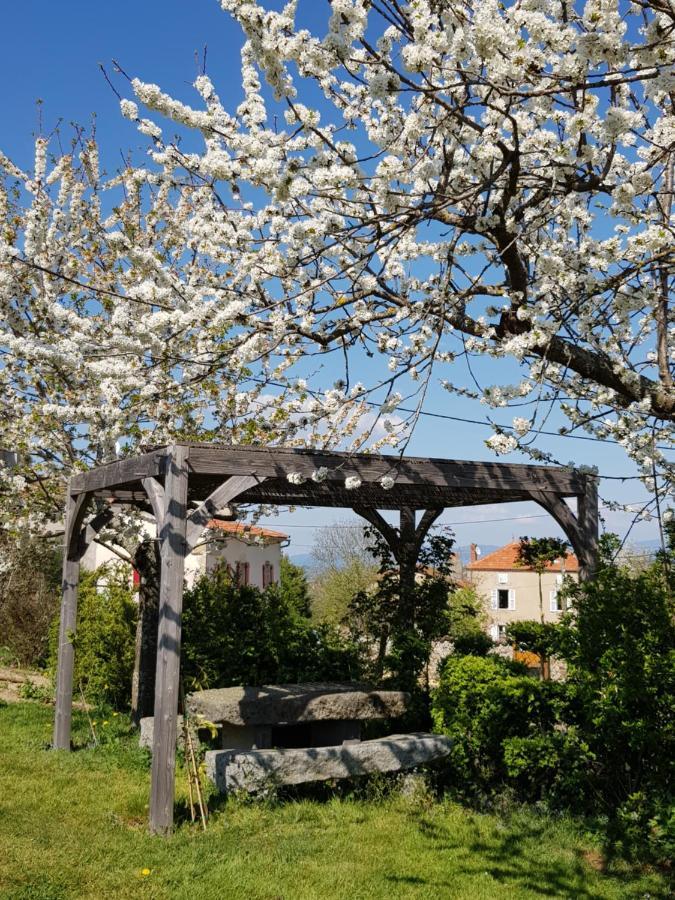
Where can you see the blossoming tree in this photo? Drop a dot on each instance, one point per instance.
(415, 182)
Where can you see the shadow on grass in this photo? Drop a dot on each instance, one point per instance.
(511, 858)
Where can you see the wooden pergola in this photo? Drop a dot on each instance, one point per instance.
(184, 485)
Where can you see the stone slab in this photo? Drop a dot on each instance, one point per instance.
(148, 732)
(288, 703)
(256, 770)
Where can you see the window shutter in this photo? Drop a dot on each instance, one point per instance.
(495, 600)
(246, 571)
(512, 599)
(554, 602)
(494, 632)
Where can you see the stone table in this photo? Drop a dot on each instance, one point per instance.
(293, 715)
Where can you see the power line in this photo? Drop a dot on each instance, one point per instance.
(356, 523)
(446, 416)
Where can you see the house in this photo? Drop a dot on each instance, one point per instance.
(252, 553)
(511, 591)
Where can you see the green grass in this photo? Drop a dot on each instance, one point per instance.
(73, 825)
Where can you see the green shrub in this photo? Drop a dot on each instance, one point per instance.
(240, 635)
(643, 829)
(551, 765)
(472, 643)
(601, 743)
(105, 638)
(480, 702)
(294, 587)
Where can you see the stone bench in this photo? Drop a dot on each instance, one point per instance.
(293, 715)
(255, 770)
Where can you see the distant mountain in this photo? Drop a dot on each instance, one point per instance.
(306, 560)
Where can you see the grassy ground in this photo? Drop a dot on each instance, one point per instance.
(73, 825)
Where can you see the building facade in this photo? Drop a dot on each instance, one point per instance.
(511, 591)
(253, 554)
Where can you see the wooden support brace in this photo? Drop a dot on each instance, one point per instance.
(582, 530)
(225, 493)
(155, 493)
(427, 520)
(387, 531)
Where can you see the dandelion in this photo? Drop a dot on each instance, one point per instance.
(145, 872)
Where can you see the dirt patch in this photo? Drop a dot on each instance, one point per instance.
(595, 860)
(23, 676)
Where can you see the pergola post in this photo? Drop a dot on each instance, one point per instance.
(406, 557)
(167, 679)
(588, 518)
(72, 553)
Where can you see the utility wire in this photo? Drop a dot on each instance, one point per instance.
(437, 415)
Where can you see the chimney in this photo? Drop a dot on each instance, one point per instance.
(473, 555)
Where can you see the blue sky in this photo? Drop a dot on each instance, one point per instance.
(51, 52)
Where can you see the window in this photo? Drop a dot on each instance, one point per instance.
(504, 598)
(267, 574)
(501, 632)
(556, 602)
(502, 578)
(241, 573)
(559, 579)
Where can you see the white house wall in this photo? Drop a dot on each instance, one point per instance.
(205, 558)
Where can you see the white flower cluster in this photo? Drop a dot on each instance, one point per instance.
(502, 443)
(481, 208)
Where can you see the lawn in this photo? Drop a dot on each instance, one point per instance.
(73, 825)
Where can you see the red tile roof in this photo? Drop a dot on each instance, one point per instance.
(239, 529)
(506, 558)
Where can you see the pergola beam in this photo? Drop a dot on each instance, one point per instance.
(276, 462)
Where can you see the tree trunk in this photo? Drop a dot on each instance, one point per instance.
(147, 564)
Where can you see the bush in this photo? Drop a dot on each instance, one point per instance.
(105, 637)
(240, 635)
(480, 703)
(602, 743)
(472, 643)
(29, 597)
(294, 587)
